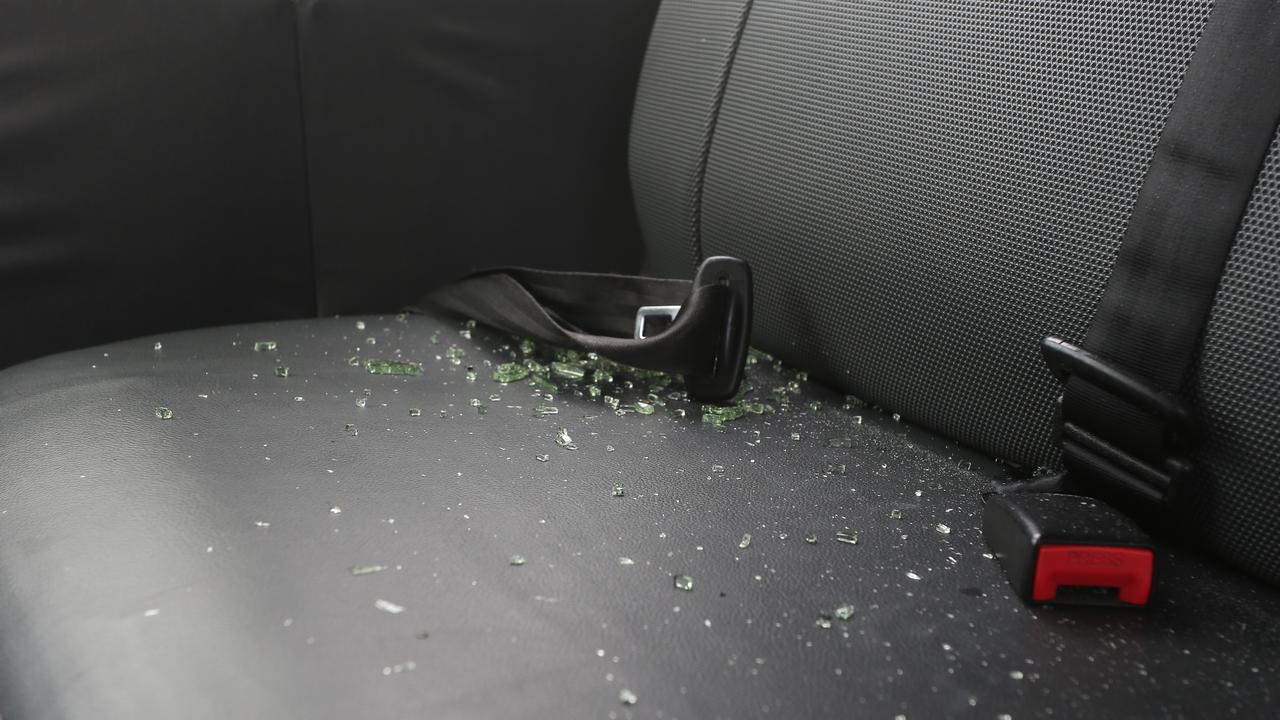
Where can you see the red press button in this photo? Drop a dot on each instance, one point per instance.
(1124, 568)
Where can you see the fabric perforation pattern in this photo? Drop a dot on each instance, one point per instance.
(926, 189)
(1237, 388)
(691, 52)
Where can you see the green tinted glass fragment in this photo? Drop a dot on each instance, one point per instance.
(567, 371)
(718, 415)
(392, 367)
(510, 372)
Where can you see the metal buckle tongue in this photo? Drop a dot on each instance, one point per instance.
(646, 318)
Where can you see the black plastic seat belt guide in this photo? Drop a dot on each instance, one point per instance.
(1126, 433)
(706, 341)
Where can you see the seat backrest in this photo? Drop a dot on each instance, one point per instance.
(166, 165)
(151, 170)
(927, 188)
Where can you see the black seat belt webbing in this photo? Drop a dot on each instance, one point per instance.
(1128, 440)
(706, 341)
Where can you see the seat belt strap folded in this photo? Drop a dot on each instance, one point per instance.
(1125, 430)
(616, 316)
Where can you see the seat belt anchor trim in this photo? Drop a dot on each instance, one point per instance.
(1133, 476)
(733, 338)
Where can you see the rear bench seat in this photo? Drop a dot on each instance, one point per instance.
(924, 189)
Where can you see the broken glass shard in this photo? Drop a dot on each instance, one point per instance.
(264, 346)
(840, 442)
(718, 415)
(567, 371)
(516, 560)
(626, 697)
(823, 621)
(362, 401)
(415, 412)
(392, 367)
(510, 372)
(282, 371)
(351, 429)
(367, 569)
(684, 582)
(895, 514)
(717, 469)
(811, 538)
(164, 413)
(644, 408)
(944, 529)
(844, 612)
(545, 410)
(388, 607)
(745, 541)
(618, 490)
(562, 438)
(542, 458)
(847, 537)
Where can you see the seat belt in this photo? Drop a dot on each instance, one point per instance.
(1126, 432)
(699, 329)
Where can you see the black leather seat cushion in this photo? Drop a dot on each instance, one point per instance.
(196, 567)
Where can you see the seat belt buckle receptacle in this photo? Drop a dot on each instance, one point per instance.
(1069, 549)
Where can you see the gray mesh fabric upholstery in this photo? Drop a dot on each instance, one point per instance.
(926, 188)
(690, 53)
(1238, 389)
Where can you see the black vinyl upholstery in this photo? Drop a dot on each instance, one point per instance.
(194, 567)
(151, 165)
(187, 163)
(454, 135)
